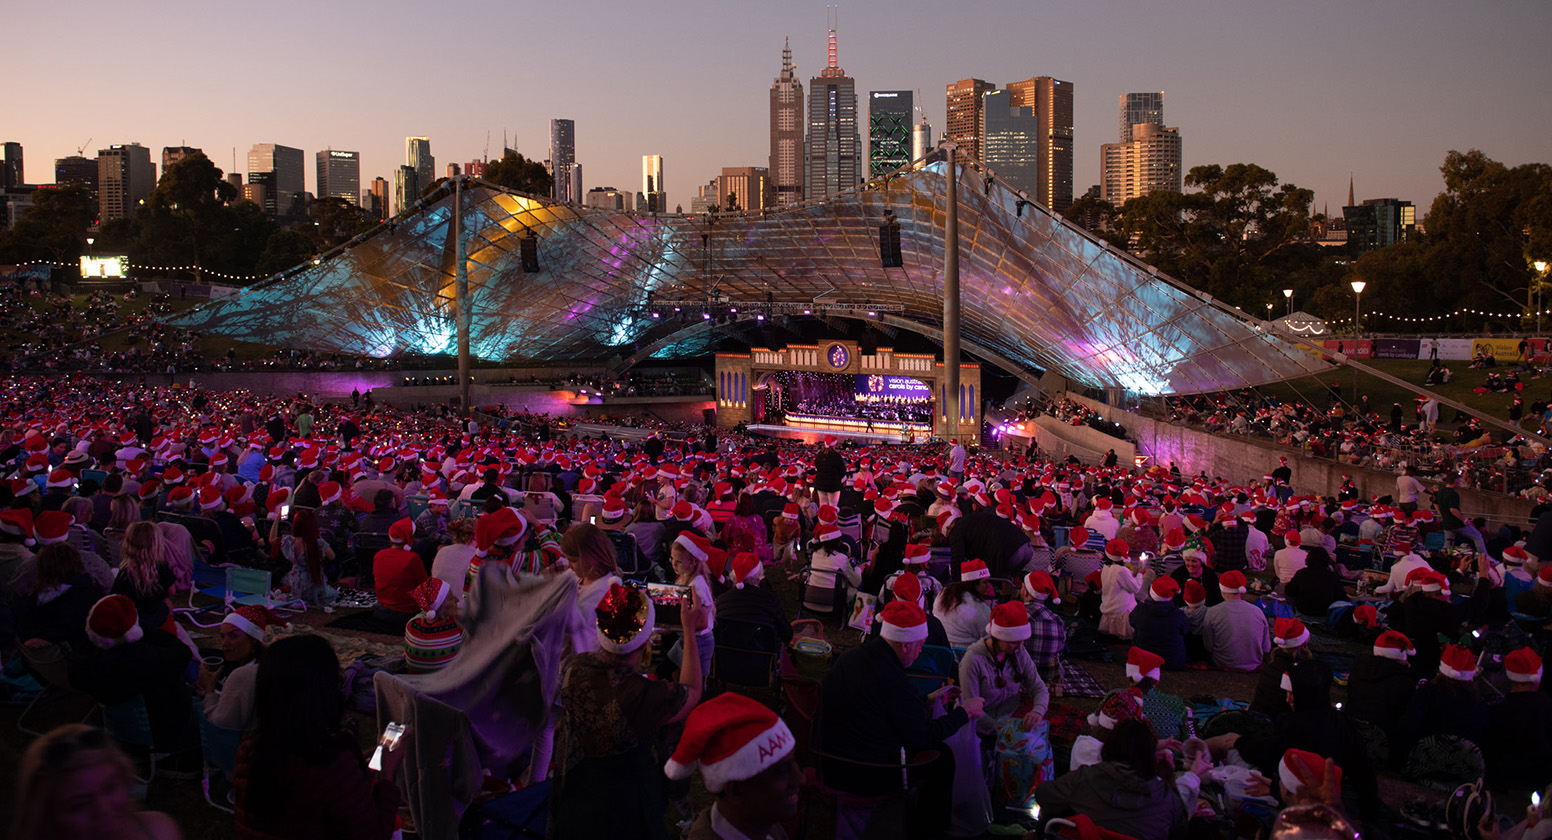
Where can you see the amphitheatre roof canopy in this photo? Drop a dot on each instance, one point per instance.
(1038, 293)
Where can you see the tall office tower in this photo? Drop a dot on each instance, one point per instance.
(1139, 108)
(235, 179)
(1148, 162)
(1010, 140)
(563, 156)
(173, 154)
(963, 126)
(1052, 101)
(653, 198)
(787, 159)
(889, 130)
(379, 201)
(254, 193)
(125, 176)
(454, 170)
(749, 185)
(406, 188)
(280, 170)
(834, 146)
(921, 140)
(417, 153)
(339, 175)
(12, 174)
(576, 182)
(76, 171)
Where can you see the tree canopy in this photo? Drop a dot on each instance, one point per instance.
(516, 172)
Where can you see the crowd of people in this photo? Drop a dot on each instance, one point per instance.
(976, 579)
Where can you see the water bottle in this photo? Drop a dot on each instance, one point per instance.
(1191, 722)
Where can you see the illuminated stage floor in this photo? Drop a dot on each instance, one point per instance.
(811, 435)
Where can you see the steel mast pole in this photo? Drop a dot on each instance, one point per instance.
(461, 292)
(951, 408)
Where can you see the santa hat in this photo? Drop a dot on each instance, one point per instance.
(1515, 554)
(1427, 579)
(252, 619)
(1120, 706)
(717, 562)
(210, 497)
(1232, 582)
(402, 532)
(790, 511)
(1300, 769)
(501, 527)
(1102, 505)
(1293, 538)
(831, 440)
(1544, 577)
(1078, 536)
(1290, 633)
(1523, 666)
(1164, 589)
(698, 546)
(1366, 615)
(1393, 645)
(683, 510)
(614, 508)
(730, 738)
(53, 526)
(746, 568)
(974, 570)
(61, 479)
(1010, 622)
(903, 621)
(18, 523)
(1117, 550)
(829, 514)
(329, 491)
(1457, 663)
(907, 587)
(1175, 539)
(430, 594)
(1041, 587)
(826, 532)
(625, 619)
(149, 490)
(1195, 523)
(113, 621)
(277, 497)
(1143, 664)
(1194, 592)
(916, 554)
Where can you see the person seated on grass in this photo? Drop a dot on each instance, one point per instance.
(229, 690)
(432, 638)
(1193, 567)
(1317, 586)
(1047, 631)
(965, 606)
(74, 784)
(1290, 639)
(1448, 704)
(1519, 731)
(130, 660)
(1160, 626)
(1119, 706)
(1125, 792)
(1194, 595)
(998, 669)
(743, 753)
(65, 595)
(1120, 581)
(1165, 712)
(1425, 613)
(1382, 682)
(396, 571)
(908, 588)
(1235, 632)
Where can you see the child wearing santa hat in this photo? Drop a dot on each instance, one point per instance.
(1121, 580)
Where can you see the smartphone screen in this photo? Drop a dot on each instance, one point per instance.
(285, 510)
(593, 519)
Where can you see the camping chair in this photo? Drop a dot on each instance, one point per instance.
(47, 661)
(821, 600)
(747, 653)
(852, 811)
(416, 505)
(629, 560)
(130, 724)
(218, 750)
(243, 587)
(850, 523)
(933, 669)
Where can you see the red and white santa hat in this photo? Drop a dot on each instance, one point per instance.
(53, 526)
(1544, 577)
(253, 619)
(916, 554)
(1427, 580)
(746, 568)
(907, 587)
(1010, 622)
(1458, 663)
(826, 532)
(697, 545)
(1103, 505)
(1174, 540)
(790, 511)
(683, 510)
(1143, 665)
(1293, 538)
(974, 570)
(614, 508)
(1300, 769)
(328, 492)
(1118, 707)
(1118, 550)
(431, 594)
(1232, 582)
(18, 523)
(113, 621)
(1515, 554)
(1194, 592)
(501, 527)
(903, 621)
(1078, 536)
(1366, 615)
(1523, 666)
(730, 738)
(1164, 589)
(1393, 645)
(61, 479)
(1041, 586)
(1289, 633)
(402, 532)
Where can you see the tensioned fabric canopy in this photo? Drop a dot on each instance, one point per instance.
(1037, 293)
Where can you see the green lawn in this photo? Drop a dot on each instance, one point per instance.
(1381, 393)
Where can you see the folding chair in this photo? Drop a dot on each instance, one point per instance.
(629, 561)
(933, 669)
(416, 505)
(747, 653)
(243, 587)
(820, 600)
(218, 750)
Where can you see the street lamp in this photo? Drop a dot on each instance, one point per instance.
(1357, 316)
(1288, 293)
(1541, 276)
(1269, 311)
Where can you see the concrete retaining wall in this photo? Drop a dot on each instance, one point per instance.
(1244, 459)
(1086, 444)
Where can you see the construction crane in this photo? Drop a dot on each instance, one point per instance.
(80, 151)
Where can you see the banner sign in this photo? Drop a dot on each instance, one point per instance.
(1396, 348)
(881, 387)
(1355, 349)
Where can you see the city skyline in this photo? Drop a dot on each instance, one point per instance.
(1276, 87)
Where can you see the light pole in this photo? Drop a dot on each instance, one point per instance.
(1288, 293)
(1541, 276)
(1357, 315)
(1269, 312)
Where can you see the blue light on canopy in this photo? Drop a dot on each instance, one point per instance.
(1036, 291)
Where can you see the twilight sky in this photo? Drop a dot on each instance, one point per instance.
(1311, 89)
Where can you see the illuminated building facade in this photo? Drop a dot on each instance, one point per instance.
(339, 175)
(889, 130)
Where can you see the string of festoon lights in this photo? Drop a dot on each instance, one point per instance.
(221, 274)
(1432, 318)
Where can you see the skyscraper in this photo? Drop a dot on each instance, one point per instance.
(417, 153)
(834, 146)
(406, 188)
(963, 125)
(1051, 100)
(1010, 140)
(653, 199)
(279, 169)
(921, 140)
(889, 130)
(12, 174)
(749, 186)
(76, 171)
(787, 159)
(1139, 108)
(563, 156)
(125, 176)
(378, 198)
(173, 154)
(1148, 162)
(339, 175)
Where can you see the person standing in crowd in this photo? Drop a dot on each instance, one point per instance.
(1120, 581)
(829, 472)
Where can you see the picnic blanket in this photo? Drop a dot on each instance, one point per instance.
(1077, 682)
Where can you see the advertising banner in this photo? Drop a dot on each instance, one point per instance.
(1357, 350)
(877, 387)
(1504, 349)
(1454, 348)
(1396, 348)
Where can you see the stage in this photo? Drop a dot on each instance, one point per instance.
(815, 435)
